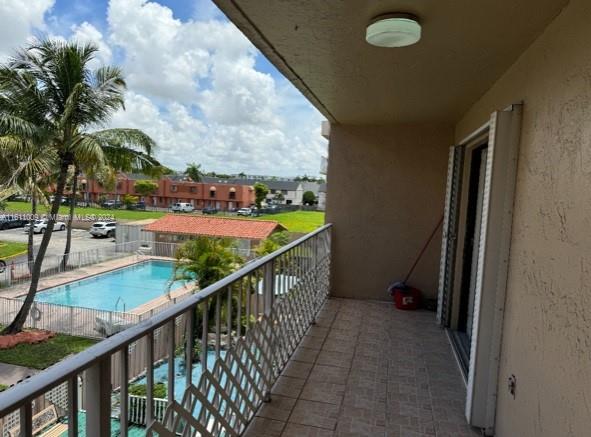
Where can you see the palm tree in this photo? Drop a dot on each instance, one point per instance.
(64, 100)
(194, 172)
(206, 260)
(26, 170)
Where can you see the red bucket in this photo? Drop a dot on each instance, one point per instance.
(405, 297)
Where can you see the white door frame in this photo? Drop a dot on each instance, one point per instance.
(493, 256)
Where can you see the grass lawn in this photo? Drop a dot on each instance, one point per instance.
(9, 248)
(43, 355)
(298, 221)
(25, 207)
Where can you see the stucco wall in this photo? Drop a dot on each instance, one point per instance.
(387, 189)
(547, 325)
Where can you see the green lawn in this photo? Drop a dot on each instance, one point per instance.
(43, 355)
(9, 248)
(124, 214)
(298, 221)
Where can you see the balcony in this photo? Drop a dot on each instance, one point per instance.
(283, 359)
(367, 369)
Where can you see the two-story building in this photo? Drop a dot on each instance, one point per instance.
(208, 193)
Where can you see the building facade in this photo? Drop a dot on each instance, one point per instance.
(209, 193)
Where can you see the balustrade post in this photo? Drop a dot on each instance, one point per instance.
(97, 398)
(268, 286)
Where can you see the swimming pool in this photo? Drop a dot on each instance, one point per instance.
(117, 290)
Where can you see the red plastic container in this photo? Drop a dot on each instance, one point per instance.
(407, 298)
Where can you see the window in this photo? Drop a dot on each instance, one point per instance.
(193, 189)
(232, 194)
(174, 188)
(212, 193)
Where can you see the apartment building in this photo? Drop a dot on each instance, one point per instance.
(208, 193)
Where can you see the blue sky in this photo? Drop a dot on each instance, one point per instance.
(195, 83)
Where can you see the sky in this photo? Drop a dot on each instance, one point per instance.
(195, 83)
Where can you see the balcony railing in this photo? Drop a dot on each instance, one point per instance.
(245, 328)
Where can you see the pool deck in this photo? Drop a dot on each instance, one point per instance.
(96, 269)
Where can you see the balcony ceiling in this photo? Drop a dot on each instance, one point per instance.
(320, 46)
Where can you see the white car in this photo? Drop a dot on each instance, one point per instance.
(182, 207)
(245, 211)
(103, 229)
(39, 226)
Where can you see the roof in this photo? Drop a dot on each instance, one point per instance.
(273, 185)
(214, 226)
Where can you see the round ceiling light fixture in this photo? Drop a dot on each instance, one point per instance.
(393, 30)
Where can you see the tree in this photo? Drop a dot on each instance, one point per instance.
(64, 99)
(308, 198)
(26, 169)
(194, 172)
(145, 187)
(272, 243)
(206, 260)
(129, 201)
(260, 193)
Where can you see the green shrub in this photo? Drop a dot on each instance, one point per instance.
(159, 390)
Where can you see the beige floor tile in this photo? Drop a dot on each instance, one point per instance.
(338, 359)
(323, 392)
(297, 430)
(261, 427)
(305, 355)
(297, 369)
(332, 374)
(316, 414)
(288, 386)
(279, 408)
(312, 342)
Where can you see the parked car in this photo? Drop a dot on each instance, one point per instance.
(209, 211)
(39, 226)
(182, 207)
(2, 266)
(8, 222)
(111, 204)
(103, 229)
(139, 205)
(245, 211)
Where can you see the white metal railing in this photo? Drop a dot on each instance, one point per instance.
(137, 409)
(19, 273)
(79, 321)
(263, 310)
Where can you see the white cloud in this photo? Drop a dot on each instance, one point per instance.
(18, 20)
(194, 87)
(86, 33)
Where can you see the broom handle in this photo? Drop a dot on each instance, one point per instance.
(424, 249)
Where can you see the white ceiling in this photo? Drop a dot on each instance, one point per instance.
(320, 46)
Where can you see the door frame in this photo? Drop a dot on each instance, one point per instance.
(502, 133)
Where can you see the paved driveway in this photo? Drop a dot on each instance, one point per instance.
(81, 240)
(11, 374)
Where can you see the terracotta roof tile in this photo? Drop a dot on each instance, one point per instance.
(214, 226)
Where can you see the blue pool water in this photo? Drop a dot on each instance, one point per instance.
(135, 285)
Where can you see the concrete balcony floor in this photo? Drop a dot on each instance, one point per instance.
(367, 369)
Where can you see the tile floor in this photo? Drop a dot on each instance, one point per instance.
(367, 369)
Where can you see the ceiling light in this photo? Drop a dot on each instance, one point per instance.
(393, 30)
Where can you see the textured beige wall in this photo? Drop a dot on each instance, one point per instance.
(390, 196)
(547, 327)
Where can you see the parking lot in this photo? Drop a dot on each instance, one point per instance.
(81, 240)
